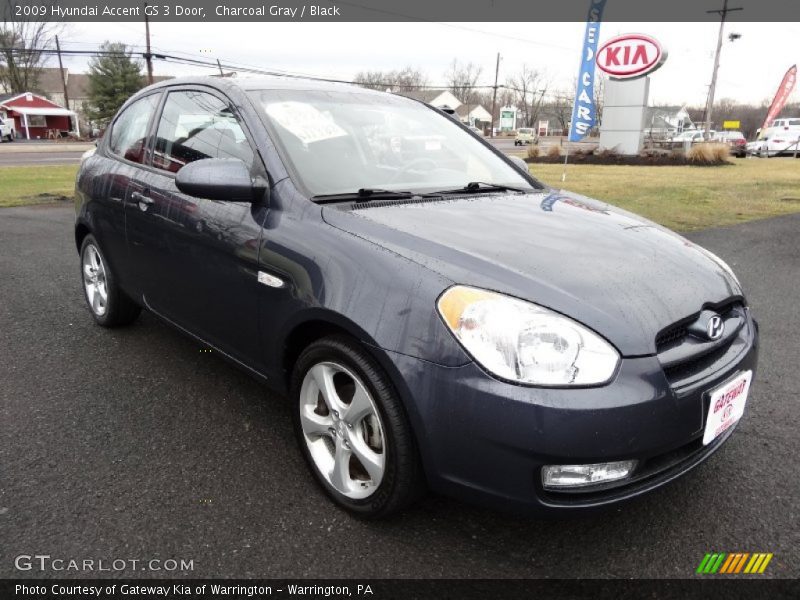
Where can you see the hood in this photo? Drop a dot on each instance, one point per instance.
(622, 276)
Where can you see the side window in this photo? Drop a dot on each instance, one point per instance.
(129, 132)
(196, 125)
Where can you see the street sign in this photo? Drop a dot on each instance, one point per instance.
(731, 124)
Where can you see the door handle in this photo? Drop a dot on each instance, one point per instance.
(142, 200)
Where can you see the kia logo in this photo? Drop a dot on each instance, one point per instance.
(715, 327)
(629, 56)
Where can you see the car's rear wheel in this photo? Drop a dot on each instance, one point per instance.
(108, 304)
(352, 429)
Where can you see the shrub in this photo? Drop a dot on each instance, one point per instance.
(721, 152)
(608, 153)
(533, 151)
(554, 151)
(707, 154)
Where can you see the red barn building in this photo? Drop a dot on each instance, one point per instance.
(36, 117)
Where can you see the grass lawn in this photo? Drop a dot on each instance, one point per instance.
(682, 198)
(36, 185)
(688, 198)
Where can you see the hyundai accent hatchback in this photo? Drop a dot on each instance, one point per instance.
(438, 318)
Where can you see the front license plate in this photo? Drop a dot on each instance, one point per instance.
(726, 406)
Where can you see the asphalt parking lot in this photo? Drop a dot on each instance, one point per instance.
(135, 444)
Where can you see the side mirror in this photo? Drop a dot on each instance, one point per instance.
(520, 164)
(217, 179)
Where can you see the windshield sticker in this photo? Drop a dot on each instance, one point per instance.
(304, 121)
(432, 145)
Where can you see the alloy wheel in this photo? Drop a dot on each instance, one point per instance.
(342, 430)
(94, 280)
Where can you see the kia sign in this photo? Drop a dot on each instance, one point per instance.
(630, 56)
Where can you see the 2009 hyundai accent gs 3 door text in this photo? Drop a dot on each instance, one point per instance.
(437, 317)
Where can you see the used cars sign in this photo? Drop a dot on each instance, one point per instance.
(631, 55)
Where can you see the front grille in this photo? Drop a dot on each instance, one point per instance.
(670, 335)
(677, 332)
(688, 356)
(699, 364)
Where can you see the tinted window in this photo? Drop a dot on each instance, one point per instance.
(129, 133)
(196, 125)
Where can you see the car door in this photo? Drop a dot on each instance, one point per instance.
(200, 256)
(122, 156)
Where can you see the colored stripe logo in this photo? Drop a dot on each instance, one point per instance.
(733, 563)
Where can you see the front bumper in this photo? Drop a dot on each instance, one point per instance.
(485, 440)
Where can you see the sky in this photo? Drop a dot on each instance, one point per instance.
(750, 69)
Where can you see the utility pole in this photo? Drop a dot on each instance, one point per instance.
(221, 74)
(494, 95)
(63, 79)
(148, 56)
(712, 88)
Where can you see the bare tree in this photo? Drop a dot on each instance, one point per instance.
(529, 87)
(599, 96)
(559, 104)
(21, 58)
(750, 116)
(462, 80)
(400, 80)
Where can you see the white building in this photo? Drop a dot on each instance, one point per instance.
(474, 114)
(437, 98)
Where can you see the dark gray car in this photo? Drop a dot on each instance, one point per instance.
(438, 317)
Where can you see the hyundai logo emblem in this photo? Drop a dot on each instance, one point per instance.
(715, 327)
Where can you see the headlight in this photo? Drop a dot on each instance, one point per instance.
(524, 342)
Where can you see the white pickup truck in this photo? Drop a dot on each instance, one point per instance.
(7, 132)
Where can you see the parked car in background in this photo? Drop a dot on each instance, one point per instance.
(476, 130)
(735, 141)
(7, 132)
(525, 135)
(781, 126)
(776, 144)
(690, 136)
(436, 316)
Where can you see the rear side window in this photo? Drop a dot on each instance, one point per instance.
(196, 125)
(129, 133)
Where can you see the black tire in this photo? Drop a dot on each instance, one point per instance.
(403, 480)
(119, 310)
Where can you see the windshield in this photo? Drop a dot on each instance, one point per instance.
(339, 142)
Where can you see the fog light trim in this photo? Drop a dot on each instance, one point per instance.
(561, 477)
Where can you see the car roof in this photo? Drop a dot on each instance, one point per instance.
(265, 83)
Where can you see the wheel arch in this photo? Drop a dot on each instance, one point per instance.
(318, 323)
(312, 325)
(315, 324)
(81, 231)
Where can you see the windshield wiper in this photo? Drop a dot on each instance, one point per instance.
(475, 187)
(366, 195)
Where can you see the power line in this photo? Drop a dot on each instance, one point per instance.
(217, 64)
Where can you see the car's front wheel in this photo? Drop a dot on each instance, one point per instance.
(108, 304)
(352, 429)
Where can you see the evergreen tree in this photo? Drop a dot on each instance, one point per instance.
(113, 78)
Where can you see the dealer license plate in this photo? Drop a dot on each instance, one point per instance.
(726, 406)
